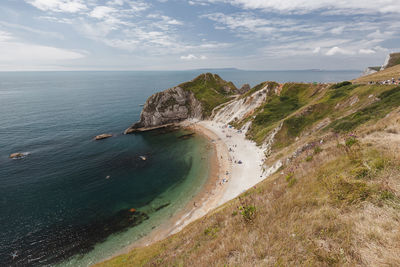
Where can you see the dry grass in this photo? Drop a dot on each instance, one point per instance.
(338, 209)
(389, 73)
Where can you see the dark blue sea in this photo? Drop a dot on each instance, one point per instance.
(69, 201)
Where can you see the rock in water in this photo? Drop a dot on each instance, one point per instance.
(102, 136)
(17, 155)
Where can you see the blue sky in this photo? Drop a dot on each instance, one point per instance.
(179, 34)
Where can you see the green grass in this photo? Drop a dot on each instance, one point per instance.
(209, 89)
(388, 101)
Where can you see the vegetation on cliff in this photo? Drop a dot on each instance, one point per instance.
(210, 90)
(335, 204)
(335, 200)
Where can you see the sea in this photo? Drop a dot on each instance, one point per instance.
(74, 201)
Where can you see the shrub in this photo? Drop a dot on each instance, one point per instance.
(361, 172)
(309, 158)
(211, 231)
(350, 141)
(317, 150)
(290, 179)
(341, 84)
(387, 195)
(248, 213)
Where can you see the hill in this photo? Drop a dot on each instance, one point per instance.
(383, 75)
(392, 60)
(193, 99)
(335, 199)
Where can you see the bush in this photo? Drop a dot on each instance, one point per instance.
(248, 213)
(290, 179)
(309, 158)
(338, 85)
(317, 150)
(351, 141)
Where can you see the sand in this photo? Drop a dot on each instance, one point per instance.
(227, 177)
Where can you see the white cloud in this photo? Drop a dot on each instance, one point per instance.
(337, 50)
(101, 12)
(317, 50)
(366, 51)
(306, 6)
(193, 57)
(17, 52)
(337, 30)
(5, 36)
(32, 30)
(70, 6)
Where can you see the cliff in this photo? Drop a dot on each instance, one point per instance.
(193, 99)
(335, 199)
(391, 60)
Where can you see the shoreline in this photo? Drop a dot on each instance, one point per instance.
(226, 178)
(203, 202)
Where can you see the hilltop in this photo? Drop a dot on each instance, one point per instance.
(391, 60)
(383, 75)
(334, 199)
(193, 99)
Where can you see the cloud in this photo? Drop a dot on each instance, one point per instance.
(69, 6)
(366, 51)
(32, 30)
(5, 36)
(317, 50)
(337, 30)
(193, 57)
(101, 12)
(307, 6)
(337, 50)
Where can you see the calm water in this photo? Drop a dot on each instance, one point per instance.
(56, 202)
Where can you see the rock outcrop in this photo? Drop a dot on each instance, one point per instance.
(18, 155)
(167, 107)
(102, 136)
(391, 60)
(370, 70)
(194, 99)
(244, 89)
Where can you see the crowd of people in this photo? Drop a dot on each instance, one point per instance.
(390, 81)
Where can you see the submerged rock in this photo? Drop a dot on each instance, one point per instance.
(102, 136)
(162, 206)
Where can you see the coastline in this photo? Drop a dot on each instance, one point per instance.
(226, 178)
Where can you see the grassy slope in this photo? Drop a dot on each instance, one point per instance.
(209, 90)
(387, 74)
(335, 203)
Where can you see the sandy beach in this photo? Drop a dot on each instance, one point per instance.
(236, 166)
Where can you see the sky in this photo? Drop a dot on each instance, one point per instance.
(180, 34)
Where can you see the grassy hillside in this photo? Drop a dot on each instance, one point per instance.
(387, 74)
(334, 202)
(210, 90)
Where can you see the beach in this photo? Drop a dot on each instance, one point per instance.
(235, 166)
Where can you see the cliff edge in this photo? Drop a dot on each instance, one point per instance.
(193, 99)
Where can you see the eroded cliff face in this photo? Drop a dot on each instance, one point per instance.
(243, 107)
(170, 106)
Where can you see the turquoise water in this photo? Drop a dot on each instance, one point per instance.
(56, 205)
